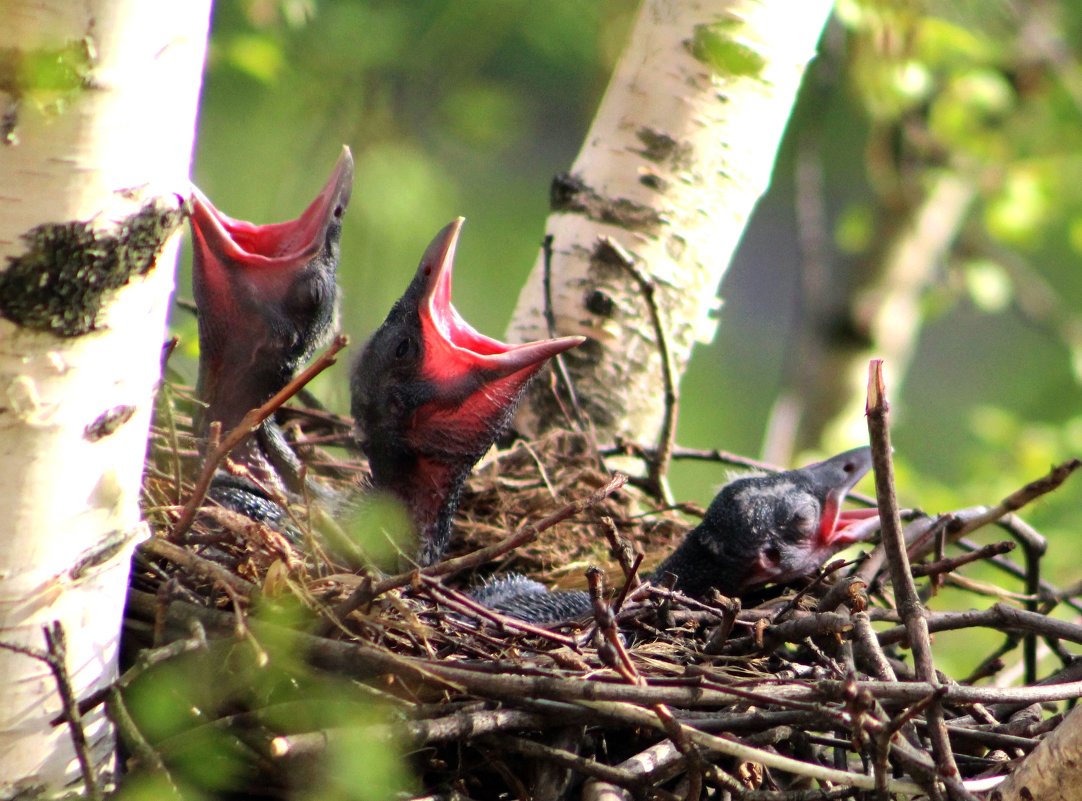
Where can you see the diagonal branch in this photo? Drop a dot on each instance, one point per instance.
(247, 425)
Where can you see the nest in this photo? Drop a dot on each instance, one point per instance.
(806, 692)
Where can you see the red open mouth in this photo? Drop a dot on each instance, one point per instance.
(838, 528)
(851, 525)
(454, 347)
(286, 244)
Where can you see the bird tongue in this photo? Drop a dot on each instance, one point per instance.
(853, 525)
(458, 359)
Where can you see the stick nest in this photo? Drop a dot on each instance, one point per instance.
(805, 692)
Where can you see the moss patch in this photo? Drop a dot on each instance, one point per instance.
(59, 284)
(716, 46)
(48, 77)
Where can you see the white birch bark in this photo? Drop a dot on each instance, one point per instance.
(677, 156)
(98, 119)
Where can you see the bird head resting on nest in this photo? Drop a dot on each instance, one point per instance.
(772, 528)
(758, 530)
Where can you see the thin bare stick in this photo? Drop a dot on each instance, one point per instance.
(588, 767)
(666, 441)
(905, 591)
(56, 657)
(1020, 497)
(193, 563)
(577, 414)
(146, 659)
(1000, 617)
(247, 425)
(622, 663)
(740, 751)
(130, 735)
(953, 563)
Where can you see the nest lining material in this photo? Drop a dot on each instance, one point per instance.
(805, 694)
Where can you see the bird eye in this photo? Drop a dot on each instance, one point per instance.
(403, 348)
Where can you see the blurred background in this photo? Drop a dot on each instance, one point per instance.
(962, 116)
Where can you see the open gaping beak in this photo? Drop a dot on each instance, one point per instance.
(839, 528)
(293, 243)
(455, 350)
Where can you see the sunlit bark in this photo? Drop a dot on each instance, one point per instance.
(98, 103)
(677, 156)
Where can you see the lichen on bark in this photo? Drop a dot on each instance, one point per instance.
(60, 283)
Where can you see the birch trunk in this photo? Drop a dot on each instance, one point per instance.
(679, 153)
(97, 111)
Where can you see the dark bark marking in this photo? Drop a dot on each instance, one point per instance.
(60, 283)
(569, 193)
(600, 303)
(108, 422)
(657, 146)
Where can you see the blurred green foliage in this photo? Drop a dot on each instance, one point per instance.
(207, 715)
(455, 108)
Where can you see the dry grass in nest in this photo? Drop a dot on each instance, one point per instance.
(529, 480)
(807, 695)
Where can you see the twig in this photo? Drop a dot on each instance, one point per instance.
(740, 751)
(953, 563)
(56, 658)
(905, 591)
(624, 553)
(252, 420)
(197, 565)
(134, 739)
(622, 663)
(146, 659)
(588, 767)
(1020, 497)
(577, 413)
(1000, 616)
(659, 466)
(625, 448)
(660, 762)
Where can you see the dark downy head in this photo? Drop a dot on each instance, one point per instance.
(430, 395)
(773, 528)
(267, 300)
